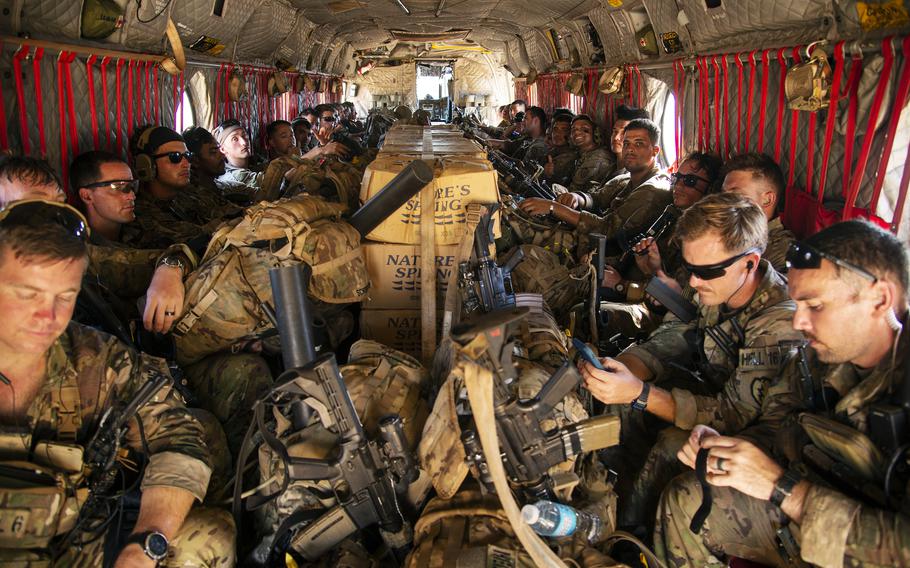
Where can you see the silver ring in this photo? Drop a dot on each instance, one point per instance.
(170, 313)
(720, 464)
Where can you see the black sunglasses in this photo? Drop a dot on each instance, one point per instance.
(688, 180)
(714, 271)
(118, 185)
(332, 118)
(802, 256)
(39, 213)
(175, 157)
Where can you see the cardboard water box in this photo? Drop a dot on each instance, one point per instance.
(399, 329)
(395, 274)
(457, 182)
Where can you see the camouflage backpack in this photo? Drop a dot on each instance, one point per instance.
(274, 176)
(520, 228)
(346, 179)
(381, 381)
(562, 283)
(540, 337)
(223, 306)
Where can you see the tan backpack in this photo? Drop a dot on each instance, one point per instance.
(223, 306)
(562, 282)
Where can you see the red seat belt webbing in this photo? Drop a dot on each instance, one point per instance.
(871, 121)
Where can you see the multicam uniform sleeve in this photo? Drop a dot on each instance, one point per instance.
(594, 166)
(770, 343)
(246, 182)
(177, 456)
(125, 270)
(638, 209)
(668, 344)
(779, 239)
(837, 530)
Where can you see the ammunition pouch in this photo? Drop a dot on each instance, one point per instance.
(845, 445)
(36, 505)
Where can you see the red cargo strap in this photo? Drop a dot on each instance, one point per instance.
(107, 120)
(157, 96)
(640, 91)
(902, 194)
(140, 107)
(794, 127)
(217, 93)
(66, 109)
(872, 119)
(130, 99)
(852, 92)
(702, 90)
(781, 105)
(725, 71)
(228, 106)
(71, 102)
(750, 103)
(737, 59)
(148, 91)
(676, 73)
(765, 68)
(4, 141)
(92, 108)
(830, 120)
(118, 102)
(21, 54)
(718, 141)
(897, 105)
(182, 91)
(39, 100)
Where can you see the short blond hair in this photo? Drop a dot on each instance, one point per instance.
(739, 222)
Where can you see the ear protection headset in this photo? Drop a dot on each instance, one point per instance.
(146, 170)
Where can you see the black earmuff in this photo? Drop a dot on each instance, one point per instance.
(146, 170)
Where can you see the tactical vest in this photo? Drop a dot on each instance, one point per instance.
(226, 294)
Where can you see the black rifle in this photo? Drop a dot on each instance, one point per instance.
(528, 451)
(100, 460)
(664, 221)
(367, 476)
(513, 172)
(669, 298)
(484, 284)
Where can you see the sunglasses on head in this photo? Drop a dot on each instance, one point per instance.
(39, 213)
(714, 271)
(118, 185)
(175, 157)
(688, 180)
(802, 256)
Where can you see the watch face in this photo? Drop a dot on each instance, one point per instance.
(156, 545)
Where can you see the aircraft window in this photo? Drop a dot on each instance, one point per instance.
(183, 116)
(668, 129)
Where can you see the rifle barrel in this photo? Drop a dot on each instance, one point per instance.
(289, 286)
(396, 193)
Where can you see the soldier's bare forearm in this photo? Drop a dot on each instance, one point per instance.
(662, 405)
(636, 366)
(793, 505)
(163, 509)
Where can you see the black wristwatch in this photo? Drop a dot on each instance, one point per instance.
(641, 402)
(784, 486)
(153, 543)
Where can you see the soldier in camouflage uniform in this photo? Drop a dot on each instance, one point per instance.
(660, 259)
(241, 174)
(807, 481)
(560, 163)
(734, 347)
(62, 378)
(594, 164)
(631, 200)
(622, 116)
(759, 178)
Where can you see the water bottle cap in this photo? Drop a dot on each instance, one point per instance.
(530, 514)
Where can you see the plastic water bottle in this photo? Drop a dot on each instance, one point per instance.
(557, 520)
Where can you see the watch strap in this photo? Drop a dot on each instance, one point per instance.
(784, 486)
(142, 540)
(641, 402)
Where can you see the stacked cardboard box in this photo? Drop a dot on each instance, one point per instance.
(394, 253)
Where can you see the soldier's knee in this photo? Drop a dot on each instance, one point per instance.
(671, 440)
(207, 538)
(681, 497)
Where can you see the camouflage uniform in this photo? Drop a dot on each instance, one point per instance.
(227, 385)
(87, 371)
(592, 166)
(730, 397)
(563, 164)
(836, 530)
(624, 205)
(241, 180)
(533, 151)
(204, 205)
(160, 224)
(779, 239)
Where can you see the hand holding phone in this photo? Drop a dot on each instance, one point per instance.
(586, 353)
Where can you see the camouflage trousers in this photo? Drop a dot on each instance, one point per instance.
(206, 539)
(227, 385)
(645, 461)
(738, 526)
